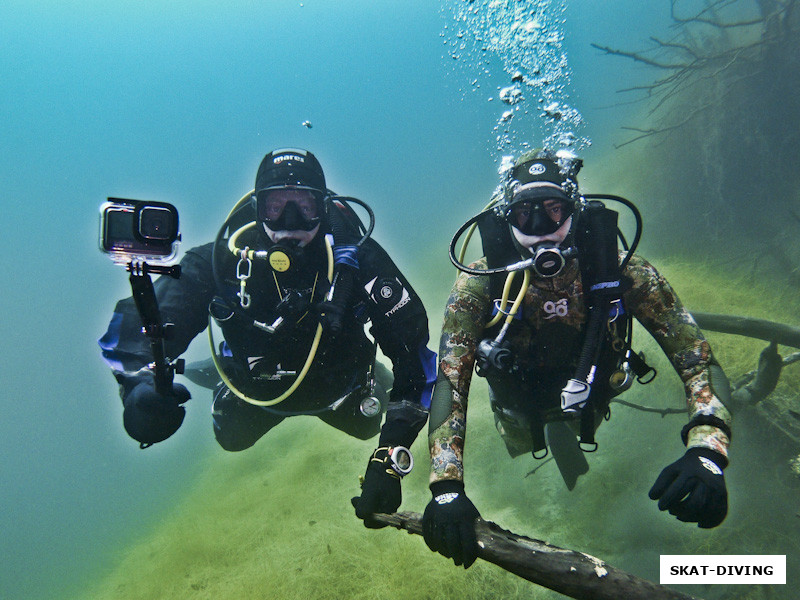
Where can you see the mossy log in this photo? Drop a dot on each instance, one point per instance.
(568, 572)
(761, 329)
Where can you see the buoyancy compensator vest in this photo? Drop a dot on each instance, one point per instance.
(341, 235)
(606, 349)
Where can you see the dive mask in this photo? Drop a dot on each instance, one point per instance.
(539, 209)
(288, 209)
(540, 222)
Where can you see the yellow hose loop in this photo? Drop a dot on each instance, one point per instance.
(503, 300)
(526, 278)
(309, 359)
(509, 278)
(235, 236)
(235, 250)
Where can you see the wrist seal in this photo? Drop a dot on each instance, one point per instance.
(704, 420)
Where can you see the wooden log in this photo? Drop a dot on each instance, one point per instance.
(761, 329)
(568, 572)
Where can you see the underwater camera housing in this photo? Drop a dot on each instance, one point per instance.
(133, 230)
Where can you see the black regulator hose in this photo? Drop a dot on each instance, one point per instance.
(344, 250)
(368, 231)
(598, 315)
(636, 215)
(601, 275)
(461, 267)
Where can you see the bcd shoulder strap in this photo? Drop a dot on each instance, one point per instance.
(498, 248)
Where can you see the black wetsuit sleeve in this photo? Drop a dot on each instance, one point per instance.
(182, 302)
(400, 326)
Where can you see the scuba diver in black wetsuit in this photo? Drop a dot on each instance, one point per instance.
(291, 280)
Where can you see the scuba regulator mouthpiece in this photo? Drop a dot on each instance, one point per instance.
(549, 261)
(284, 255)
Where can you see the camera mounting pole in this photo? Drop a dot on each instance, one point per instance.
(146, 304)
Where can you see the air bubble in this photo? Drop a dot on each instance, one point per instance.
(553, 110)
(511, 95)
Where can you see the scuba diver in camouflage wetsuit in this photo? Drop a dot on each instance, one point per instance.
(555, 348)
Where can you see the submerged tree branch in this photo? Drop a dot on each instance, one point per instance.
(637, 56)
(752, 387)
(778, 333)
(568, 572)
(711, 44)
(661, 411)
(714, 21)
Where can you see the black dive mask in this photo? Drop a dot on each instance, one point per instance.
(538, 216)
(551, 249)
(287, 215)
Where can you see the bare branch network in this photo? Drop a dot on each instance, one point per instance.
(705, 47)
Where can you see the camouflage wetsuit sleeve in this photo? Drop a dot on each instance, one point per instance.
(464, 320)
(656, 306)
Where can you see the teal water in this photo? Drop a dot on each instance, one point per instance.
(179, 102)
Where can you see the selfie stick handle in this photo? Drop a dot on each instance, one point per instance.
(146, 304)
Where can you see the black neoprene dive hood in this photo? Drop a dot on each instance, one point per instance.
(541, 170)
(290, 168)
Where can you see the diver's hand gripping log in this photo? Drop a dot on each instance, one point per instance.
(568, 572)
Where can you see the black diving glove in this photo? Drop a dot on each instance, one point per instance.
(448, 523)
(380, 491)
(148, 416)
(389, 463)
(693, 488)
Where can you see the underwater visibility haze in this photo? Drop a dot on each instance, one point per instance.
(414, 107)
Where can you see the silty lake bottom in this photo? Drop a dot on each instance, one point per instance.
(180, 103)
